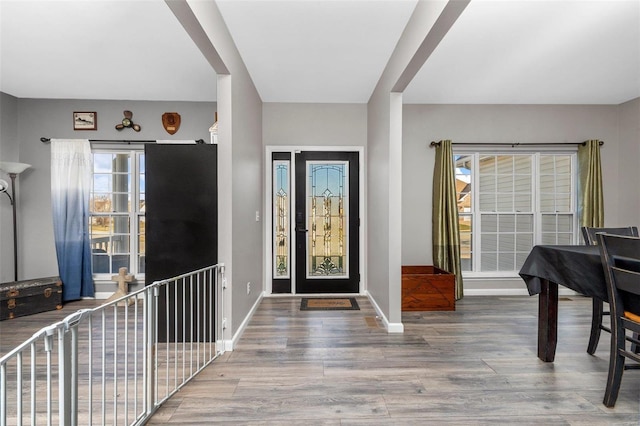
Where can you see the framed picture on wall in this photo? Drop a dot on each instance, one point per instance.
(85, 121)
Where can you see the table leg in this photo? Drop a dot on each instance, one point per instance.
(547, 321)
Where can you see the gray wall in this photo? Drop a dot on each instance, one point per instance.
(286, 124)
(384, 169)
(314, 124)
(9, 151)
(508, 123)
(247, 197)
(240, 171)
(629, 157)
(53, 118)
(377, 205)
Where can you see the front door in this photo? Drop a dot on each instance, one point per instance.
(326, 222)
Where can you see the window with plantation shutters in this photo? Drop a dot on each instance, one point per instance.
(509, 202)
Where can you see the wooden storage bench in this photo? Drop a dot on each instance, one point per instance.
(427, 288)
(19, 298)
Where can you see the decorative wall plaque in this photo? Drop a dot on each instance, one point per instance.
(85, 120)
(171, 122)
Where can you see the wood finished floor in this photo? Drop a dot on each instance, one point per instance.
(477, 365)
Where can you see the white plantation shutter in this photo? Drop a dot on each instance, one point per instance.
(521, 200)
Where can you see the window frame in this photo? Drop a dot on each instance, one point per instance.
(497, 150)
(134, 214)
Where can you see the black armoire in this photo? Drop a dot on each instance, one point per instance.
(181, 227)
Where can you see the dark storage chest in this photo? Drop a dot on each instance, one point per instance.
(19, 298)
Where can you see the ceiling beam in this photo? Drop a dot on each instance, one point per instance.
(441, 26)
(190, 23)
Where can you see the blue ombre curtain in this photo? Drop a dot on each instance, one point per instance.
(71, 174)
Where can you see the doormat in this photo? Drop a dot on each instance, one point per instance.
(329, 304)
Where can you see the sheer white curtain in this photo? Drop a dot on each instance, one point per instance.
(71, 174)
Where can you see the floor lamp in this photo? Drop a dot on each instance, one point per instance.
(13, 170)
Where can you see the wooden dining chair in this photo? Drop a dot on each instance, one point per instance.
(621, 261)
(597, 311)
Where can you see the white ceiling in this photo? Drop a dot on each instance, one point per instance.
(536, 52)
(87, 49)
(316, 51)
(499, 51)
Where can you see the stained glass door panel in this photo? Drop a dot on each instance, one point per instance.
(327, 213)
(327, 222)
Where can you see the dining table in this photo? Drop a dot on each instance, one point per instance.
(576, 267)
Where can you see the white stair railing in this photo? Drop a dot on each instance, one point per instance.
(116, 364)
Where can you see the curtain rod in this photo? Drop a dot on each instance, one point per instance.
(128, 142)
(513, 144)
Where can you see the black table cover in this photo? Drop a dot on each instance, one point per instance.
(576, 267)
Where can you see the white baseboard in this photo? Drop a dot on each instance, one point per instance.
(562, 291)
(99, 295)
(391, 327)
(104, 295)
(230, 344)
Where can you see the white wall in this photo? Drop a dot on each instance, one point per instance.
(499, 123)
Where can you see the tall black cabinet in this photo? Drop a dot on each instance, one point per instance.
(181, 226)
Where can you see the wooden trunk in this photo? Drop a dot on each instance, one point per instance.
(20, 298)
(427, 288)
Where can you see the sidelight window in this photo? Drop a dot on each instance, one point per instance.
(281, 208)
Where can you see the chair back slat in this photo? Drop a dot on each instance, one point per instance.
(621, 262)
(627, 280)
(589, 233)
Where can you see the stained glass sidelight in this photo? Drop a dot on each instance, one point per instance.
(281, 190)
(327, 224)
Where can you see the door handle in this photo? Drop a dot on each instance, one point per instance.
(301, 230)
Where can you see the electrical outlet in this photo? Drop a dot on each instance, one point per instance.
(248, 287)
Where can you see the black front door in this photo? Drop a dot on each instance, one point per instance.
(327, 222)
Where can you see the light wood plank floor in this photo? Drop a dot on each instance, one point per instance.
(15, 331)
(477, 365)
